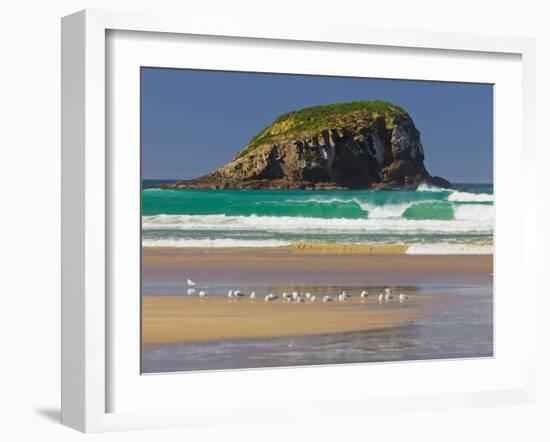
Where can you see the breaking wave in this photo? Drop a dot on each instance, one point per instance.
(429, 219)
(308, 226)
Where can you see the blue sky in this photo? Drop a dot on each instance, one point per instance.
(194, 121)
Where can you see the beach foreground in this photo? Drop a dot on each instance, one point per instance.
(184, 319)
(448, 313)
(169, 315)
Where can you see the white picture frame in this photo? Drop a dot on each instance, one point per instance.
(87, 205)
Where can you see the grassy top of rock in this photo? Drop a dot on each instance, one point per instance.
(314, 119)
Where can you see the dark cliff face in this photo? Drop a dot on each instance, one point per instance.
(361, 149)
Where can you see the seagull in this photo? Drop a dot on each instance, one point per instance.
(253, 295)
(270, 297)
(190, 283)
(203, 294)
(287, 296)
(364, 294)
(191, 292)
(328, 298)
(312, 298)
(238, 294)
(295, 295)
(308, 295)
(343, 296)
(388, 294)
(403, 297)
(380, 297)
(300, 299)
(230, 294)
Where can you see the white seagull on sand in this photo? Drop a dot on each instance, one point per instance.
(328, 298)
(380, 297)
(190, 283)
(270, 297)
(403, 297)
(343, 296)
(364, 294)
(253, 295)
(203, 294)
(191, 292)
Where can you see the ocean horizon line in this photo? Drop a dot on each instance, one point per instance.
(485, 183)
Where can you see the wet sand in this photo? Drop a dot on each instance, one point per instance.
(189, 318)
(284, 266)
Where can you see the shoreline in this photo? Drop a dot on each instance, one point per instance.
(299, 248)
(484, 248)
(281, 266)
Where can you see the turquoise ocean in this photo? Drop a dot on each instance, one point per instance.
(428, 220)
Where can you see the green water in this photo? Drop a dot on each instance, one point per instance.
(233, 217)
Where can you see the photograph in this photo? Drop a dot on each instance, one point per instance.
(292, 220)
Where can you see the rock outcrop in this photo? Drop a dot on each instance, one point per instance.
(357, 145)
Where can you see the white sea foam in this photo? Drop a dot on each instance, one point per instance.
(467, 223)
(466, 197)
(386, 211)
(474, 212)
(413, 249)
(155, 190)
(449, 249)
(429, 188)
(323, 200)
(211, 243)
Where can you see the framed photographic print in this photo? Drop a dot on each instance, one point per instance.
(251, 213)
(325, 239)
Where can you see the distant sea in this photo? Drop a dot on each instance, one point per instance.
(428, 220)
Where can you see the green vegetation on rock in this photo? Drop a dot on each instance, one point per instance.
(313, 119)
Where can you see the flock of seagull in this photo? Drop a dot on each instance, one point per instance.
(296, 296)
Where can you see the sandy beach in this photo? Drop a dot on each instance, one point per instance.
(185, 319)
(288, 266)
(176, 317)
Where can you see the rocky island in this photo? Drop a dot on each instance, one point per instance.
(354, 145)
